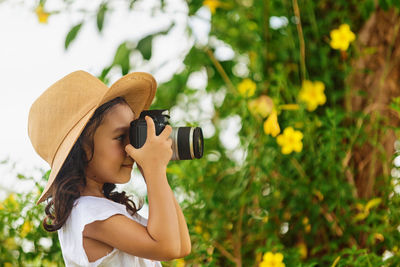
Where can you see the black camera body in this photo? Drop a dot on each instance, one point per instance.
(187, 142)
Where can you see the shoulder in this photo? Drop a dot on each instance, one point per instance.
(95, 202)
(97, 208)
(88, 206)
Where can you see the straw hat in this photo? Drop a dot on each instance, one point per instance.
(59, 115)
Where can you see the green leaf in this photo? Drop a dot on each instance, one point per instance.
(367, 8)
(163, 5)
(100, 16)
(104, 73)
(121, 58)
(46, 175)
(145, 45)
(395, 104)
(72, 34)
(132, 2)
(122, 51)
(385, 4)
(22, 177)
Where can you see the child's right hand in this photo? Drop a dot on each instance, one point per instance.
(156, 151)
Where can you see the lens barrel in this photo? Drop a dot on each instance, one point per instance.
(187, 143)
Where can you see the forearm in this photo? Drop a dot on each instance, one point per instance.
(183, 229)
(184, 236)
(162, 224)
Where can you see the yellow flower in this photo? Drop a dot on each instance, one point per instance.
(360, 206)
(42, 15)
(261, 106)
(229, 226)
(290, 140)
(361, 216)
(258, 257)
(10, 244)
(47, 263)
(313, 94)
(179, 263)
(318, 194)
(379, 237)
(372, 203)
(212, 5)
(289, 107)
(342, 37)
(307, 226)
(8, 264)
(247, 88)
(198, 229)
(11, 203)
(26, 228)
(364, 210)
(302, 249)
(271, 125)
(210, 250)
(299, 124)
(252, 57)
(272, 260)
(206, 236)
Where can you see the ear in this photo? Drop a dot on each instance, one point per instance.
(85, 146)
(87, 151)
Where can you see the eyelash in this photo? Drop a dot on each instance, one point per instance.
(123, 136)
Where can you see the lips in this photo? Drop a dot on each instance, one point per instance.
(127, 166)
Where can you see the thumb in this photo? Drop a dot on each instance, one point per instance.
(130, 150)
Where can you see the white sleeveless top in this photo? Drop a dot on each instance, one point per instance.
(88, 209)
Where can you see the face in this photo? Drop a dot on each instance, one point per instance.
(110, 139)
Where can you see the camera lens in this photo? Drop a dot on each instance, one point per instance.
(187, 143)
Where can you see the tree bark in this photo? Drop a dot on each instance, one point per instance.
(375, 74)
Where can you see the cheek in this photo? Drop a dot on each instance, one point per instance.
(109, 159)
(118, 150)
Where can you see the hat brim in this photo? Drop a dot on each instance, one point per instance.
(137, 88)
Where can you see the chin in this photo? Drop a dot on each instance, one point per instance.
(124, 178)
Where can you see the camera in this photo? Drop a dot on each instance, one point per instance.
(187, 142)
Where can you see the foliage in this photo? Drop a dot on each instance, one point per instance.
(24, 241)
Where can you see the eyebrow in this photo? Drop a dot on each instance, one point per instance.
(123, 128)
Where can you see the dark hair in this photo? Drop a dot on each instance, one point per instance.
(71, 180)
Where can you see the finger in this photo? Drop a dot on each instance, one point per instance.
(130, 149)
(169, 142)
(166, 132)
(150, 126)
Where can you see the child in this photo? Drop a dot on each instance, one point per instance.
(80, 127)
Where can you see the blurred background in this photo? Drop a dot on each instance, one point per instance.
(298, 102)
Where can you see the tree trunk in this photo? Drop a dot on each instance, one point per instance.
(374, 81)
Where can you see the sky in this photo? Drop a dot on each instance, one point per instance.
(32, 58)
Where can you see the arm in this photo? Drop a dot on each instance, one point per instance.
(162, 224)
(157, 241)
(183, 230)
